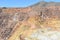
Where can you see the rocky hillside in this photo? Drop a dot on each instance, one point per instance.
(43, 12)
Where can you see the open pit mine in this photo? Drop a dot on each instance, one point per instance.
(40, 21)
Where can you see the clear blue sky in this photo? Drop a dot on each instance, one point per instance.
(20, 3)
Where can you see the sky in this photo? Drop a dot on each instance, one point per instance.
(21, 3)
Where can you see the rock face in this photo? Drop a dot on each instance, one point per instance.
(9, 17)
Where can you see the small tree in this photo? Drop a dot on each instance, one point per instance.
(4, 8)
